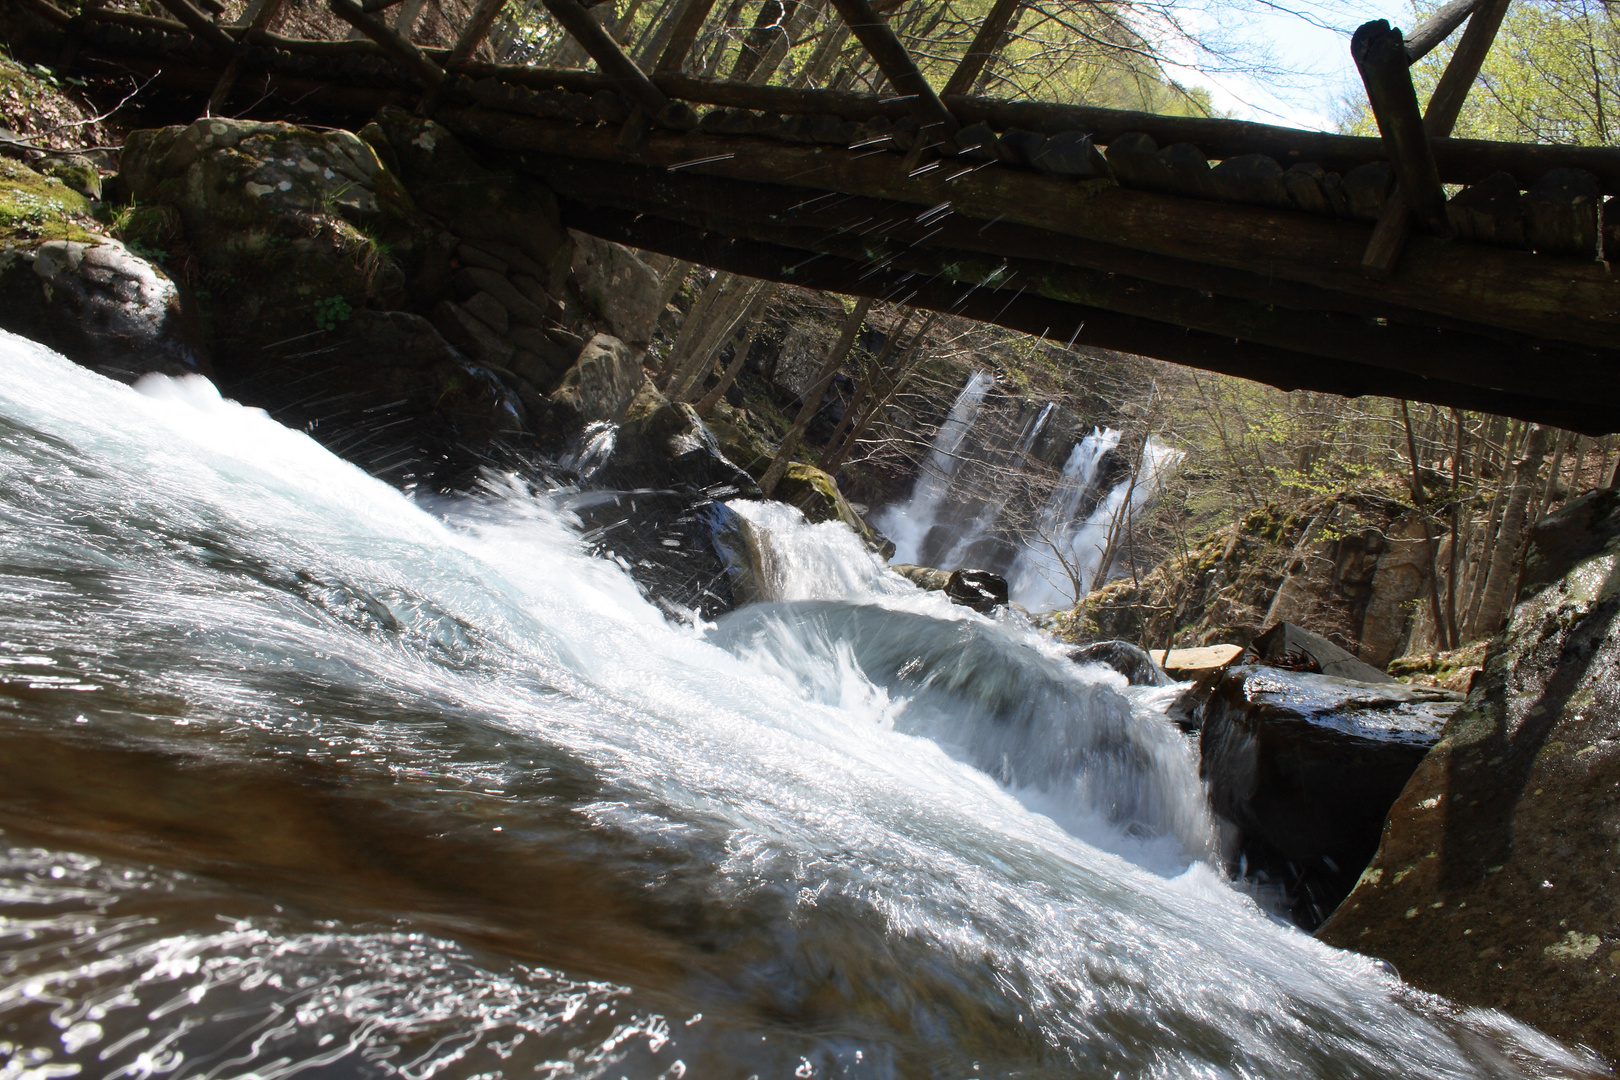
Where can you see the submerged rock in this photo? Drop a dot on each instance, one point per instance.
(1303, 767)
(1131, 661)
(1495, 882)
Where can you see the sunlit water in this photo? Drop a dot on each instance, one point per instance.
(298, 777)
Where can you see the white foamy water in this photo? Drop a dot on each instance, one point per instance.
(909, 523)
(302, 779)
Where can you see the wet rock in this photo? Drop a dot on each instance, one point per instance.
(738, 439)
(618, 287)
(1293, 647)
(101, 305)
(1495, 882)
(600, 386)
(978, 589)
(1131, 661)
(1303, 768)
(924, 577)
(666, 540)
(818, 497)
(663, 444)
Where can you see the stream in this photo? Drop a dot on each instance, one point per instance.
(300, 776)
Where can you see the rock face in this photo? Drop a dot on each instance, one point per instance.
(618, 287)
(1496, 880)
(599, 387)
(1304, 768)
(1131, 661)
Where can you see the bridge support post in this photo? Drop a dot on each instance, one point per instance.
(1380, 54)
(879, 39)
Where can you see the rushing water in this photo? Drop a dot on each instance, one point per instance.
(303, 778)
(908, 524)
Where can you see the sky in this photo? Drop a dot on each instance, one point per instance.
(1311, 39)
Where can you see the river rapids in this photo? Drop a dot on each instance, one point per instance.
(300, 776)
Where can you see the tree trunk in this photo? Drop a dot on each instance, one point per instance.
(813, 396)
(909, 362)
(1503, 574)
(691, 327)
(751, 319)
(724, 318)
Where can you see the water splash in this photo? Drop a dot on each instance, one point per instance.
(383, 792)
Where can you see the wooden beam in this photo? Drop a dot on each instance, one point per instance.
(1550, 299)
(884, 46)
(1056, 321)
(472, 35)
(985, 44)
(1437, 28)
(262, 20)
(1447, 102)
(627, 78)
(430, 74)
(683, 37)
(961, 250)
(1380, 55)
(49, 12)
(1395, 222)
(201, 26)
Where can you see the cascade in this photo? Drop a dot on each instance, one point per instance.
(984, 522)
(1040, 580)
(909, 523)
(389, 788)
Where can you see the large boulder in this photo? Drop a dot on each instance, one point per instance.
(1495, 881)
(599, 388)
(617, 287)
(488, 205)
(285, 231)
(1303, 768)
(65, 284)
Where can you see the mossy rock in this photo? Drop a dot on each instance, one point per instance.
(282, 229)
(35, 208)
(816, 494)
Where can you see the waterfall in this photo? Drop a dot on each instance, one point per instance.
(304, 777)
(909, 523)
(984, 522)
(1040, 580)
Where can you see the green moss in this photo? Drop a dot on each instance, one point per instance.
(35, 208)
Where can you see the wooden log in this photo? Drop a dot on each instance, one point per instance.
(1490, 212)
(201, 26)
(1188, 171)
(1366, 189)
(1562, 214)
(619, 68)
(262, 20)
(1250, 178)
(1380, 55)
(1447, 100)
(984, 46)
(1394, 224)
(682, 37)
(881, 43)
(1134, 158)
(1304, 185)
(49, 12)
(429, 73)
(948, 249)
(472, 35)
(1056, 320)
(1071, 155)
(1437, 28)
(1553, 299)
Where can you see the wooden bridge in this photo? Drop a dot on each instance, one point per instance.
(1300, 259)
